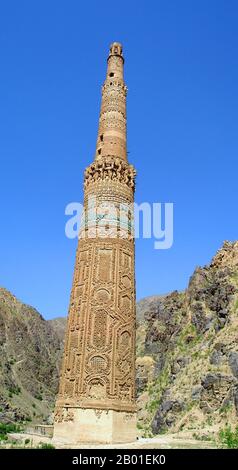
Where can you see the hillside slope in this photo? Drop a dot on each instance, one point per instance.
(187, 351)
(30, 352)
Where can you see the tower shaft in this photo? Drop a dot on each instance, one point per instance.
(96, 400)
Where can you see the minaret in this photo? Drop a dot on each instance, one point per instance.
(96, 400)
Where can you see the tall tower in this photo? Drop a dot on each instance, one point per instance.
(96, 400)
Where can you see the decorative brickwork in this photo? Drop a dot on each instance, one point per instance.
(98, 370)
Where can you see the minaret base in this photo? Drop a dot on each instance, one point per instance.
(96, 426)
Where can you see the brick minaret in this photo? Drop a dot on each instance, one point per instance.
(96, 400)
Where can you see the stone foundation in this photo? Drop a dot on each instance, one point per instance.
(97, 426)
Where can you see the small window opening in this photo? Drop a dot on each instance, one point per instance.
(99, 151)
(111, 74)
(101, 137)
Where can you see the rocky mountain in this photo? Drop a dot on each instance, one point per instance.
(187, 354)
(30, 354)
(59, 325)
(187, 351)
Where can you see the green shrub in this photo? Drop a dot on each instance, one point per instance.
(14, 391)
(153, 405)
(28, 419)
(225, 408)
(209, 421)
(229, 438)
(27, 441)
(45, 445)
(7, 428)
(39, 397)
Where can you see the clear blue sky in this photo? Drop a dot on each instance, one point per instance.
(182, 73)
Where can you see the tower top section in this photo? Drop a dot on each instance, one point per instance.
(115, 62)
(116, 50)
(111, 139)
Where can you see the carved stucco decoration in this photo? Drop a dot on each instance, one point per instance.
(98, 369)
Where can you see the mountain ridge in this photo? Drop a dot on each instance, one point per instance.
(187, 354)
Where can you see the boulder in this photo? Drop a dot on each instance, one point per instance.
(233, 363)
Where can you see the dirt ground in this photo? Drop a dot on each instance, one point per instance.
(165, 441)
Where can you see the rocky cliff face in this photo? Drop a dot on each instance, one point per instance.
(187, 354)
(187, 351)
(30, 352)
